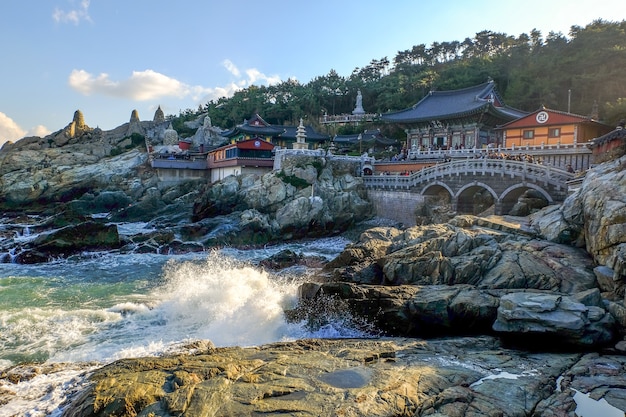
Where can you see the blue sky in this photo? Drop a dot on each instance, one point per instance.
(109, 57)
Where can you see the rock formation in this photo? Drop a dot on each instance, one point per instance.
(466, 278)
(309, 197)
(593, 217)
(360, 378)
(134, 125)
(159, 116)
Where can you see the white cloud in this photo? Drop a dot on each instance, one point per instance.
(141, 86)
(150, 85)
(39, 130)
(73, 16)
(232, 68)
(253, 75)
(9, 130)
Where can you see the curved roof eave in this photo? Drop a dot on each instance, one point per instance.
(266, 130)
(429, 118)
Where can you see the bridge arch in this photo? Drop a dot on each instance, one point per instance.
(510, 196)
(469, 198)
(441, 192)
(431, 189)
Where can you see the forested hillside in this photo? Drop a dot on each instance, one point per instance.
(575, 71)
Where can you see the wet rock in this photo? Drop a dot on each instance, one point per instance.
(401, 377)
(73, 239)
(288, 258)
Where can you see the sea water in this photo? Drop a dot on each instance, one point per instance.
(99, 307)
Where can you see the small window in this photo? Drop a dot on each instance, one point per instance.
(529, 134)
(554, 132)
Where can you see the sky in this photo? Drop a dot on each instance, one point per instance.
(110, 57)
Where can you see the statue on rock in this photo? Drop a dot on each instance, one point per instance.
(170, 136)
(207, 134)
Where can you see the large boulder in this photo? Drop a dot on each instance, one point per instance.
(449, 279)
(70, 240)
(447, 254)
(594, 217)
(552, 319)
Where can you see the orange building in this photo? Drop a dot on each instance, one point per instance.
(551, 127)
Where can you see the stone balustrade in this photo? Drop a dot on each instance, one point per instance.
(576, 148)
(514, 171)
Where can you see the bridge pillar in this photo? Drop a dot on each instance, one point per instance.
(498, 207)
(455, 202)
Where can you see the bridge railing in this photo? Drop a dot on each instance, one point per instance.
(515, 170)
(557, 148)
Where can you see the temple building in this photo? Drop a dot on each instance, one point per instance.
(546, 127)
(455, 119)
(252, 144)
(254, 128)
(609, 146)
(369, 140)
(282, 136)
(248, 156)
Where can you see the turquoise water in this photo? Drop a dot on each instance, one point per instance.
(101, 307)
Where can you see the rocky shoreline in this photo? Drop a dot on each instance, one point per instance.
(476, 316)
(458, 376)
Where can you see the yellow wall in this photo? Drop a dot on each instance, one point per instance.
(569, 133)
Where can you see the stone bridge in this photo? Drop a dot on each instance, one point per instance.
(464, 183)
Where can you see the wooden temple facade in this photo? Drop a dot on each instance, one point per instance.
(455, 119)
(252, 145)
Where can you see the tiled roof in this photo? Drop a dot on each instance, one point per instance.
(311, 134)
(369, 137)
(257, 126)
(441, 105)
(618, 134)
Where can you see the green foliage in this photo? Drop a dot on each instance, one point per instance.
(297, 182)
(616, 111)
(178, 123)
(530, 71)
(137, 140)
(116, 151)
(318, 165)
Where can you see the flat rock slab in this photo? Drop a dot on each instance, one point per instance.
(374, 377)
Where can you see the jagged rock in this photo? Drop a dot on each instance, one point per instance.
(447, 254)
(593, 217)
(554, 318)
(551, 224)
(323, 199)
(528, 203)
(442, 279)
(71, 240)
(57, 175)
(288, 258)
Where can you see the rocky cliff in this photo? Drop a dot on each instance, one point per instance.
(309, 197)
(79, 172)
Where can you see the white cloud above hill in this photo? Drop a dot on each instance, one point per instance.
(151, 85)
(11, 131)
